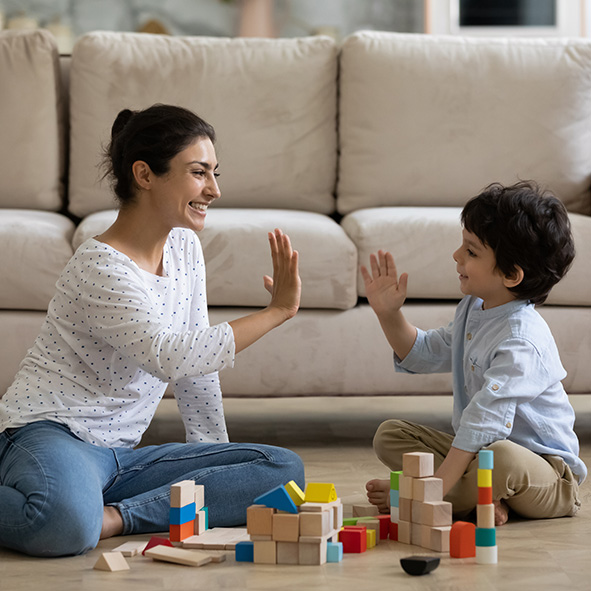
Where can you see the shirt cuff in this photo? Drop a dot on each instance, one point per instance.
(413, 362)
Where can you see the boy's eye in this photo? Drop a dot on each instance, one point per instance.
(470, 253)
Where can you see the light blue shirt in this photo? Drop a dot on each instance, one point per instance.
(506, 379)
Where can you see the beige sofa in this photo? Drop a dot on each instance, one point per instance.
(375, 143)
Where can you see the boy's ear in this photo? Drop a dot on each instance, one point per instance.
(514, 278)
(142, 174)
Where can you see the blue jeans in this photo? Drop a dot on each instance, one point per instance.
(53, 486)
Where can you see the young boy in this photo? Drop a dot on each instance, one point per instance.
(507, 390)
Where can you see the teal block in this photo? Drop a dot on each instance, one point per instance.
(180, 515)
(334, 551)
(205, 510)
(277, 498)
(486, 459)
(394, 498)
(395, 480)
(486, 536)
(244, 552)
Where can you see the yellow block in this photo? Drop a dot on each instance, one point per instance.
(295, 492)
(320, 492)
(484, 478)
(371, 538)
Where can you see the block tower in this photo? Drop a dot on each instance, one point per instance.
(486, 543)
(424, 518)
(188, 516)
(394, 503)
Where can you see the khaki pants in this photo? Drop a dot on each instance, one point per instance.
(534, 486)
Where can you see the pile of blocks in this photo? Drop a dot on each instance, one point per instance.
(188, 515)
(287, 526)
(486, 543)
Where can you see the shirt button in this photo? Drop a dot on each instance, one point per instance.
(469, 336)
(495, 387)
(472, 367)
(508, 425)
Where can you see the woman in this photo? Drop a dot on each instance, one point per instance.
(130, 316)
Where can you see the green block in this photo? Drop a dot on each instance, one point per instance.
(395, 480)
(350, 521)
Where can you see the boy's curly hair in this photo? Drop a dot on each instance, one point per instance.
(526, 227)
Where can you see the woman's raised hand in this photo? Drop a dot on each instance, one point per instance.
(385, 291)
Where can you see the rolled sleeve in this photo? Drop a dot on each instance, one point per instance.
(430, 353)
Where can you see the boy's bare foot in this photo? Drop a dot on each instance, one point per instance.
(501, 512)
(112, 523)
(378, 494)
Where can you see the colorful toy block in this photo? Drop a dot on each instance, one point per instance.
(394, 498)
(371, 538)
(354, 539)
(178, 515)
(320, 492)
(334, 552)
(384, 525)
(156, 541)
(277, 498)
(244, 551)
(484, 478)
(462, 540)
(418, 464)
(373, 524)
(419, 565)
(486, 555)
(486, 536)
(295, 492)
(395, 480)
(111, 561)
(393, 532)
(486, 459)
(179, 532)
(485, 495)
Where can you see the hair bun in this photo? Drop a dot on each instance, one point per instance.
(121, 121)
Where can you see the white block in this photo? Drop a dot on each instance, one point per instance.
(394, 514)
(486, 555)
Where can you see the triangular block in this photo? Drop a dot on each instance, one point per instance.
(277, 498)
(295, 492)
(156, 541)
(111, 561)
(320, 492)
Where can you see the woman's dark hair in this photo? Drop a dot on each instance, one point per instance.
(155, 135)
(526, 227)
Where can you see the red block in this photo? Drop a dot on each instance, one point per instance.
(181, 532)
(156, 541)
(462, 540)
(385, 521)
(394, 531)
(354, 539)
(485, 495)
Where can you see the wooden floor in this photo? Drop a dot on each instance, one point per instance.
(333, 437)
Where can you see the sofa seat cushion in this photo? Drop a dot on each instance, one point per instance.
(35, 246)
(423, 239)
(432, 120)
(237, 255)
(32, 146)
(272, 103)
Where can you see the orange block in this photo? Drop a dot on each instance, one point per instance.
(462, 540)
(181, 532)
(485, 495)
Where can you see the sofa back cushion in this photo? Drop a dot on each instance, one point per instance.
(432, 120)
(272, 102)
(31, 122)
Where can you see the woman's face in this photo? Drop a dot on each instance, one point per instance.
(183, 195)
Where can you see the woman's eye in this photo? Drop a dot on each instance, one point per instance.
(216, 174)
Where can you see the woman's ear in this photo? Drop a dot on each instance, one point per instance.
(142, 174)
(514, 278)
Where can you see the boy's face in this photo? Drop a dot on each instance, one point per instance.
(479, 275)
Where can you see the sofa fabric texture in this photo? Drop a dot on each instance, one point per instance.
(374, 143)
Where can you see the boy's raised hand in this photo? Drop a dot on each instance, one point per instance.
(385, 291)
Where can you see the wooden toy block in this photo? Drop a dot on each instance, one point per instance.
(286, 527)
(404, 532)
(259, 520)
(425, 539)
(217, 538)
(131, 548)
(288, 553)
(485, 515)
(315, 524)
(485, 496)
(218, 556)
(462, 540)
(417, 464)
(179, 532)
(439, 541)
(334, 552)
(395, 514)
(178, 515)
(415, 511)
(373, 524)
(182, 493)
(320, 492)
(395, 480)
(371, 538)
(156, 541)
(200, 525)
(486, 555)
(295, 492)
(111, 561)
(416, 534)
(350, 521)
(277, 498)
(406, 485)
(484, 478)
(427, 489)
(486, 459)
(384, 526)
(179, 556)
(419, 565)
(244, 551)
(436, 513)
(309, 507)
(486, 536)
(393, 531)
(256, 538)
(206, 511)
(265, 552)
(199, 497)
(354, 540)
(394, 498)
(365, 510)
(405, 510)
(337, 511)
(310, 553)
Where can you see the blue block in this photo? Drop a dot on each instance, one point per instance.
(179, 515)
(334, 551)
(244, 552)
(277, 498)
(485, 459)
(486, 536)
(394, 498)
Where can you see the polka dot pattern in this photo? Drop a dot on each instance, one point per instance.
(114, 337)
